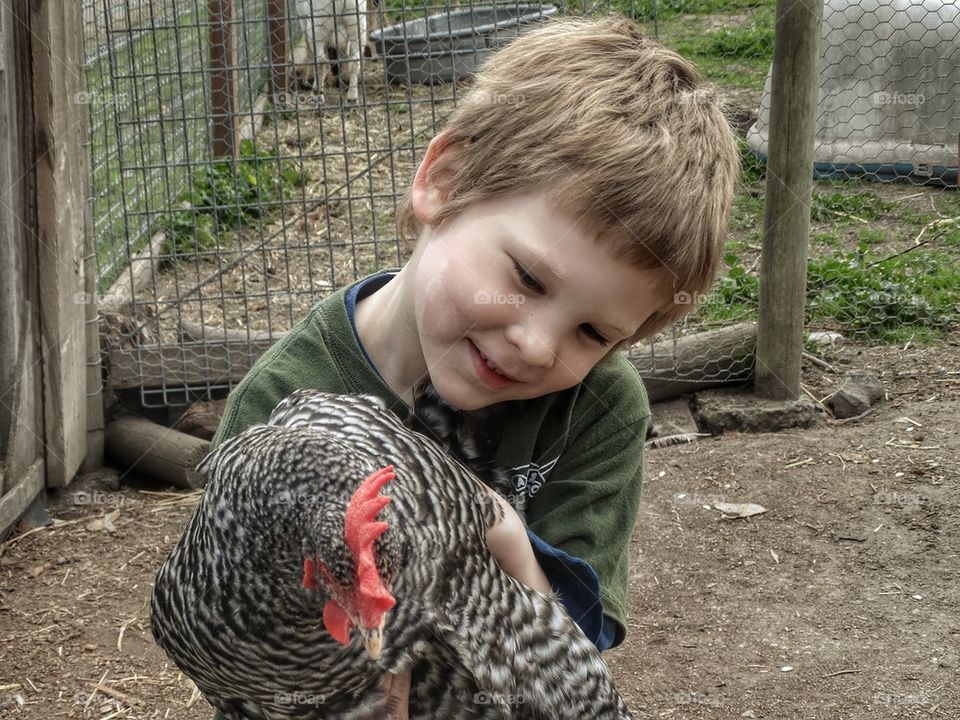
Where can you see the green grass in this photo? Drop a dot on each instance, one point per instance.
(735, 54)
(887, 299)
(753, 170)
(890, 299)
(864, 290)
(646, 10)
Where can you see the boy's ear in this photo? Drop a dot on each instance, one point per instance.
(429, 191)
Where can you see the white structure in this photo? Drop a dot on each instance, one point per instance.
(889, 101)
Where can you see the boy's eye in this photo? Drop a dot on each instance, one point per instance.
(527, 279)
(592, 333)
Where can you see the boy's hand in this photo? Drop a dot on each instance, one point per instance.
(510, 545)
(397, 690)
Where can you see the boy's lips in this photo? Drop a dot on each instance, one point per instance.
(496, 379)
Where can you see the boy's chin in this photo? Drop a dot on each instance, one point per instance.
(463, 398)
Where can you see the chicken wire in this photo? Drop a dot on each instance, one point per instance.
(884, 235)
(231, 252)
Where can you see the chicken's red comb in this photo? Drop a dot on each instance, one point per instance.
(360, 530)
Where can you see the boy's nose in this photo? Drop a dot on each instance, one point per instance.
(538, 348)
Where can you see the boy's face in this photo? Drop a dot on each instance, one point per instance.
(519, 284)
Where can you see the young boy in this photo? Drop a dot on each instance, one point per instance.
(573, 203)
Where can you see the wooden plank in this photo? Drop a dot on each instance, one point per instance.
(783, 263)
(93, 458)
(277, 29)
(190, 364)
(21, 412)
(24, 489)
(60, 133)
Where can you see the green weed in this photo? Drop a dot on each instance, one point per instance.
(883, 299)
(753, 168)
(226, 195)
(913, 295)
(838, 205)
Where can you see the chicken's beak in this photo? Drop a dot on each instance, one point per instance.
(373, 640)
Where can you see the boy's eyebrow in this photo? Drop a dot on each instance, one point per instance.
(541, 261)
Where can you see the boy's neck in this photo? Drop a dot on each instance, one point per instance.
(388, 331)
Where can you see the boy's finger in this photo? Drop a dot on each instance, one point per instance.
(398, 697)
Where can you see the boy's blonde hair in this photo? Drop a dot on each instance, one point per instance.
(614, 127)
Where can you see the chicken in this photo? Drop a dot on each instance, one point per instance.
(333, 545)
(470, 437)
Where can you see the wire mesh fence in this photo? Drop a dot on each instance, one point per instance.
(206, 257)
(885, 215)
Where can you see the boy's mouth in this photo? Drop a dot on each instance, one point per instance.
(488, 370)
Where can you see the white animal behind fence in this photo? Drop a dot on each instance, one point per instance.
(339, 24)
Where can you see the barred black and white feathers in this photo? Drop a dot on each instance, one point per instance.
(230, 609)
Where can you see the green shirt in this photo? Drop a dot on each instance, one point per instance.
(577, 453)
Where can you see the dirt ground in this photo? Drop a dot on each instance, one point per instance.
(840, 601)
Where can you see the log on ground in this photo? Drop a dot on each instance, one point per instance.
(157, 451)
(709, 359)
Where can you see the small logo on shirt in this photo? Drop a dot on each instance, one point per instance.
(528, 478)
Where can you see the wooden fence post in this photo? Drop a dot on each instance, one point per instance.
(783, 267)
(277, 26)
(224, 83)
(60, 115)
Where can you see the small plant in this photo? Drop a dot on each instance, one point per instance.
(753, 168)
(226, 195)
(834, 206)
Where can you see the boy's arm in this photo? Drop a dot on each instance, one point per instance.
(545, 567)
(510, 545)
(582, 517)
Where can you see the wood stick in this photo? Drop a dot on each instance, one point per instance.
(157, 451)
